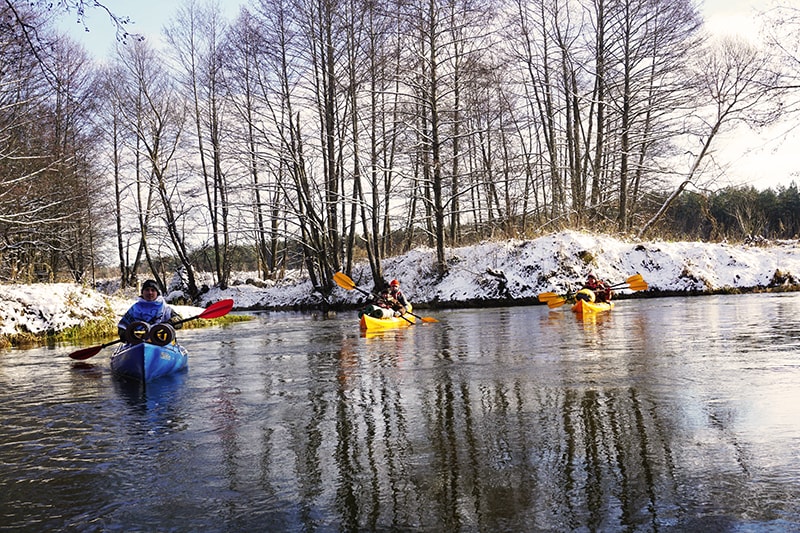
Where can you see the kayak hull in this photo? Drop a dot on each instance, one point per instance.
(583, 307)
(145, 361)
(369, 323)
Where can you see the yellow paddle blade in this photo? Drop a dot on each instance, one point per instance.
(546, 296)
(344, 281)
(634, 279)
(639, 286)
(556, 302)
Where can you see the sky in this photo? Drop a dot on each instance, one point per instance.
(765, 158)
(730, 16)
(762, 159)
(148, 18)
(549, 263)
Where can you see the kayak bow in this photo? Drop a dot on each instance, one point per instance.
(145, 361)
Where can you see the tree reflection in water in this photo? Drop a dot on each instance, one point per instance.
(664, 415)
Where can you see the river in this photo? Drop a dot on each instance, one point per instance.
(670, 414)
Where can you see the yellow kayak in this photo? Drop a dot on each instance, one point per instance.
(369, 323)
(585, 304)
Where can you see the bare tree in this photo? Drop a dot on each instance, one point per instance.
(45, 172)
(159, 116)
(735, 79)
(650, 38)
(245, 73)
(195, 38)
(117, 121)
(280, 64)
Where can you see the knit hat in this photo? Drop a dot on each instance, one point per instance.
(151, 284)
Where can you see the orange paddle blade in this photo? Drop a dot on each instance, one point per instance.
(639, 286)
(344, 281)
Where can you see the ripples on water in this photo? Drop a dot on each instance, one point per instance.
(675, 414)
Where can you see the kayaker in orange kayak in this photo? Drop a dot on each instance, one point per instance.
(388, 303)
(601, 289)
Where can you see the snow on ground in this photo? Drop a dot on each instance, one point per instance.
(54, 307)
(557, 262)
(490, 271)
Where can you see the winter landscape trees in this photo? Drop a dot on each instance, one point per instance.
(315, 134)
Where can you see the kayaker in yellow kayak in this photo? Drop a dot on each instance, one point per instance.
(388, 303)
(601, 289)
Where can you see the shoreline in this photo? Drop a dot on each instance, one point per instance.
(521, 302)
(489, 274)
(73, 336)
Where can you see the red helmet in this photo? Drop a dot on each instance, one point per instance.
(394, 283)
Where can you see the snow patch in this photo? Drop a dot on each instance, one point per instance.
(513, 270)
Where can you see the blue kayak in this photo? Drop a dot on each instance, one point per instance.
(145, 361)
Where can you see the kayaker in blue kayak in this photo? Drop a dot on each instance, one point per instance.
(388, 303)
(150, 308)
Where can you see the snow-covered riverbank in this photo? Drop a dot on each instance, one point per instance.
(518, 270)
(512, 271)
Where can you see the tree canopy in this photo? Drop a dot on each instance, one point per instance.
(320, 133)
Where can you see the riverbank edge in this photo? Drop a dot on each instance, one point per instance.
(99, 330)
(477, 303)
(104, 328)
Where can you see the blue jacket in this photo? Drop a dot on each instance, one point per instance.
(153, 312)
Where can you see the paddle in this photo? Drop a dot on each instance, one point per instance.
(345, 282)
(215, 310)
(633, 280)
(634, 283)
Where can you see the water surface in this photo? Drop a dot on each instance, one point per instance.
(674, 414)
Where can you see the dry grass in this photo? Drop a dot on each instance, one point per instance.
(96, 330)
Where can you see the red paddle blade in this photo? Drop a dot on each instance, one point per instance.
(86, 353)
(217, 309)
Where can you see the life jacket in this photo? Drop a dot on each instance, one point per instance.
(152, 312)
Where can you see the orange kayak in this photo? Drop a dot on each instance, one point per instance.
(585, 304)
(369, 323)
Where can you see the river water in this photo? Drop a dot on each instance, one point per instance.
(672, 414)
